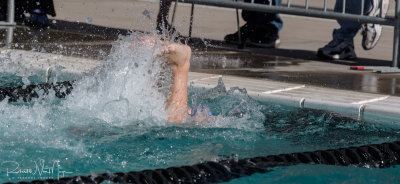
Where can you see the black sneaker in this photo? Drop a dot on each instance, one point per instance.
(270, 40)
(38, 19)
(338, 49)
(234, 38)
(255, 37)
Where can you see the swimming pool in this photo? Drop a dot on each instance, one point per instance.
(111, 125)
(98, 147)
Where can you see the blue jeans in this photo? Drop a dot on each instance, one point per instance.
(348, 30)
(268, 21)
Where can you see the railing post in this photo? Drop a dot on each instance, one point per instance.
(9, 35)
(10, 11)
(191, 21)
(173, 13)
(362, 7)
(396, 38)
(238, 25)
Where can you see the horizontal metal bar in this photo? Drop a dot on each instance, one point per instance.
(2, 23)
(294, 11)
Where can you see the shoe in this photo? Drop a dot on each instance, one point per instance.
(38, 18)
(338, 49)
(234, 38)
(267, 41)
(254, 37)
(372, 32)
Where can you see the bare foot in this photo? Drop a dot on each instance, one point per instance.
(178, 56)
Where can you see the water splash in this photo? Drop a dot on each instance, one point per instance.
(129, 88)
(122, 102)
(234, 107)
(131, 85)
(115, 119)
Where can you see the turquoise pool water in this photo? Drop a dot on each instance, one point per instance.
(114, 121)
(70, 148)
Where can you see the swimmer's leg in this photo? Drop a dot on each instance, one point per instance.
(179, 59)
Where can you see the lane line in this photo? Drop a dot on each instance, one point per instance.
(212, 77)
(371, 100)
(284, 89)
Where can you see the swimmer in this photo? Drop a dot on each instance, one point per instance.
(178, 57)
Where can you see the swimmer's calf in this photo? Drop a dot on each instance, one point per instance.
(178, 57)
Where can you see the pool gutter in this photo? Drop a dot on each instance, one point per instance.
(362, 106)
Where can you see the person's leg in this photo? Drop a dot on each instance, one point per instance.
(262, 29)
(342, 45)
(38, 10)
(3, 10)
(179, 60)
(275, 19)
(45, 7)
(347, 29)
(48, 7)
(268, 21)
(266, 27)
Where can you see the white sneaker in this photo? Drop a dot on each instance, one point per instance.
(372, 32)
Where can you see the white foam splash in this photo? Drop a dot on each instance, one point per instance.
(129, 86)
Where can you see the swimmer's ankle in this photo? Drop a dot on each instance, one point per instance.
(179, 55)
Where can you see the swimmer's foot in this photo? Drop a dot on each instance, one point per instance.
(178, 56)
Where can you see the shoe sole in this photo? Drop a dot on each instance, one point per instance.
(378, 29)
(276, 44)
(385, 8)
(321, 55)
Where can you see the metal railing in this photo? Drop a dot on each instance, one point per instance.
(9, 23)
(322, 13)
(10, 14)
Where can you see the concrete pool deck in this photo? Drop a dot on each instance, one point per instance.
(363, 106)
(294, 61)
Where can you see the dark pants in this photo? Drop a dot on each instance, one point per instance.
(270, 22)
(21, 6)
